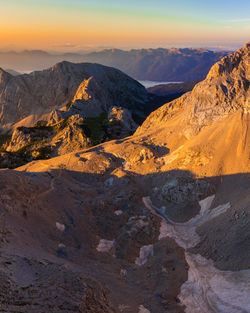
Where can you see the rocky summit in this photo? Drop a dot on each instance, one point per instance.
(65, 108)
(28, 97)
(152, 223)
(86, 104)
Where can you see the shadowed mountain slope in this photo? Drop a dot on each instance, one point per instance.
(172, 88)
(160, 64)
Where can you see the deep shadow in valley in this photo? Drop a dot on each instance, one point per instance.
(94, 206)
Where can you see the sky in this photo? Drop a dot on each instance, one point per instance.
(78, 25)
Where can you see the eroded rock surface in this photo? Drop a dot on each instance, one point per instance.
(97, 87)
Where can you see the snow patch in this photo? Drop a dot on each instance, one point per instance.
(207, 290)
(210, 290)
(185, 233)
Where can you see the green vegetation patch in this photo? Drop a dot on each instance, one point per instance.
(96, 128)
(5, 138)
(38, 128)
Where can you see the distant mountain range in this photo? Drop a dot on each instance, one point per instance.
(142, 64)
(172, 89)
(160, 64)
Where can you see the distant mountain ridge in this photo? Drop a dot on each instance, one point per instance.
(172, 88)
(160, 64)
(143, 64)
(12, 72)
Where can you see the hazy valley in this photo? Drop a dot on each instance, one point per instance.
(141, 64)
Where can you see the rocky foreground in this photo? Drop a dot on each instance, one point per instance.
(156, 222)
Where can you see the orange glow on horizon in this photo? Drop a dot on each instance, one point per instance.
(30, 25)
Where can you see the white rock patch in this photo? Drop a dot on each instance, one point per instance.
(123, 273)
(145, 253)
(105, 245)
(126, 165)
(142, 309)
(60, 227)
(123, 307)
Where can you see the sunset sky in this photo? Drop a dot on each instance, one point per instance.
(74, 25)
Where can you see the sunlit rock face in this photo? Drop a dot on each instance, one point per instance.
(66, 108)
(65, 132)
(224, 91)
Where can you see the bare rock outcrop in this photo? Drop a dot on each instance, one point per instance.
(40, 92)
(64, 132)
(100, 102)
(121, 122)
(225, 90)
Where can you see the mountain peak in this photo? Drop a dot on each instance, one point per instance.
(237, 62)
(40, 92)
(4, 77)
(225, 90)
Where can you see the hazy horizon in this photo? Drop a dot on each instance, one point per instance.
(97, 49)
(84, 25)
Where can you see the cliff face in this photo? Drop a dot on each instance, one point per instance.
(40, 92)
(66, 108)
(225, 90)
(65, 132)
